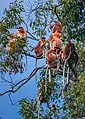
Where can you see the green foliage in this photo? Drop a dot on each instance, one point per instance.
(52, 87)
(81, 53)
(28, 109)
(13, 16)
(75, 99)
(42, 17)
(71, 14)
(52, 96)
(12, 19)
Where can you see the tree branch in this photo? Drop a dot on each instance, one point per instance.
(56, 6)
(33, 37)
(18, 85)
(21, 83)
(30, 55)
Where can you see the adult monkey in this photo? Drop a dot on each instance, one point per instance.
(17, 41)
(55, 44)
(70, 54)
(12, 44)
(53, 55)
(21, 33)
(21, 36)
(39, 47)
(54, 40)
(71, 59)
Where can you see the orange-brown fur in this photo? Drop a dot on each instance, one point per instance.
(21, 32)
(38, 49)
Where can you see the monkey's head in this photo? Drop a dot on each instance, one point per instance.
(20, 29)
(57, 29)
(58, 34)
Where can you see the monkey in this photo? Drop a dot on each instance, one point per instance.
(70, 47)
(39, 47)
(12, 44)
(21, 37)
(42, 99)
(55, 44)
(21, 33)
(17, 41)
(73, 58)
(51, 58)
(54, 40)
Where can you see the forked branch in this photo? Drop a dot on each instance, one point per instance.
(18, 85)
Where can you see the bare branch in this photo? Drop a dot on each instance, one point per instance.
(30, 55)
(20, 82)
(18, 85)
(11, 99)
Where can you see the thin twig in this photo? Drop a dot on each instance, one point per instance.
(29, 32)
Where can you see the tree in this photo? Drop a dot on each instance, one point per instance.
(40, 16)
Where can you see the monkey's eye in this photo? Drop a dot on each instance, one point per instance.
(59, 31)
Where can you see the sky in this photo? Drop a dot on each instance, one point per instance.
(29, 90)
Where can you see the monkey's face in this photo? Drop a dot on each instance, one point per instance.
(20, 29)
(58, 34)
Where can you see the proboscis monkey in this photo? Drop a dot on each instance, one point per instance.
(21, 37)
(39, 47)
(17, 41)
(71, 56)
(12, 44)
(55, 43)
(54, 40)
(70, 49)
(21, 33)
